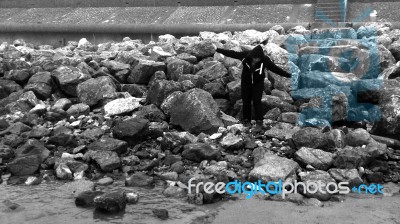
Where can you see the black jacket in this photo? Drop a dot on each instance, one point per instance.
(255, 74)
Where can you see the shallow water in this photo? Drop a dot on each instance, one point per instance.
(52, 203)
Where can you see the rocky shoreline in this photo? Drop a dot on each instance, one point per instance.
(169, 111)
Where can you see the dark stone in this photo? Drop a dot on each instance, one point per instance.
(107, 160)
(110, 202)
(139, 179)
(159, 91)
(309, 137)
(92, 91)
(198, 152)
(130, 130)
(86, 198)
(109, 144)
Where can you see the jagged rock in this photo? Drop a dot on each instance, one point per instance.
(273, 168)
(25, 165)
(151, 113)
(389, 121)
(109, 144)
(216, 89)
(350, 158)
(78, 109)
(107, 160)
(139, 179)
(134, 90)
(110, 202)
(314, 176)
(309, 137)
(160, 90)
(282, 131)
(198, 152)
(195, 111)
(177, 67)
(121, 106)
(144, 70)
(213, 72)
(234, 90)
(41, 84)
(94, 90)
(114, 66)
(270, 102)
(172, 140)
(358, 137)
(334, 139)
(86, 198)
(68, 79)
(16, 128)
(317, 158)
(130, 130)
(346, 175)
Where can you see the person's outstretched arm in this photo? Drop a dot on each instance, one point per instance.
(275, 69)
(232, 54)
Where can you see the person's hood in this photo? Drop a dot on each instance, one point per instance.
(257, 52)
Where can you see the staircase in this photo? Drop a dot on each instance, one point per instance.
(330, 11)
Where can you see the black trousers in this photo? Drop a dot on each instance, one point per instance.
(252, 93)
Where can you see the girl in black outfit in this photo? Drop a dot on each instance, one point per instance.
(252, 83)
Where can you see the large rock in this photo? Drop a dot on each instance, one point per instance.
(160, 90)
(198, 152)
(389, 122)
(358, 137)
(122, 106)
(107, 160)
(196, 111)
(213, 72)
(130, 130)
(28, 157)
(86, 198)
(274, 168)
(41, 84)
(317, 158)
(177, 67)
(346, 175)
(68, 79)
(111, 202)
(309, 137)
(350, 158)
(94, 90)
(109, 144)
(144, 70)
(234, 90)
(321, 177)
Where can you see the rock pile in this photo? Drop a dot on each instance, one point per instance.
(170, 109)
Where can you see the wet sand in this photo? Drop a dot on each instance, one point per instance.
(353, 209)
